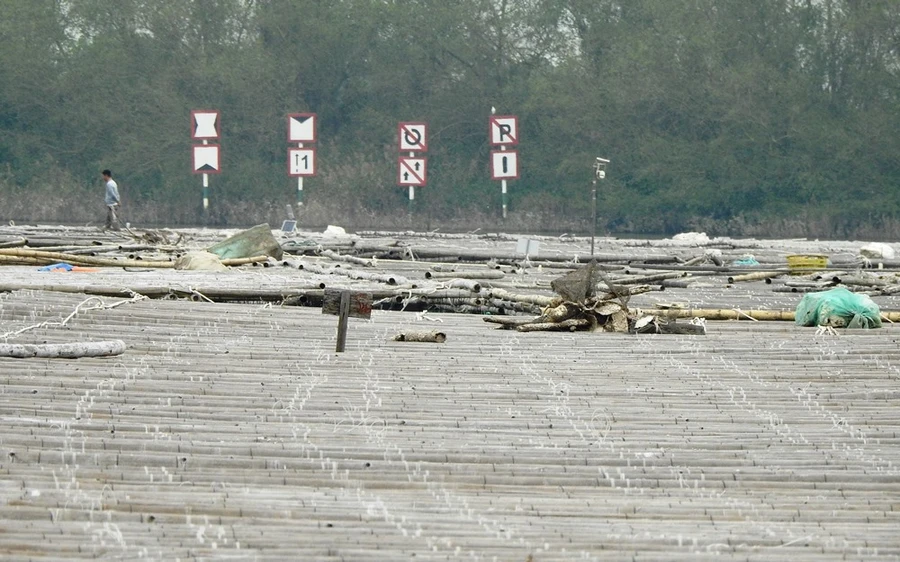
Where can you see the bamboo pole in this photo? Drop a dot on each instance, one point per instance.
(643, 279)
(755, 276)
(63, 350)
(346, 258)
(486, 274)
(54, 257)
(718, 313)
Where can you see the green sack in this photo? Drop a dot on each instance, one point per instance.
(839, 308)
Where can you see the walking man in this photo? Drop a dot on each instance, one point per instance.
(111, 200)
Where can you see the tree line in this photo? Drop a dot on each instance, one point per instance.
(770, 117)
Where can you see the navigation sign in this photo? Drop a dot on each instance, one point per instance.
(504, 129)
(504, 164)
(204, 124)
(412, 171)
(301, 162)
(413, 137)
(206, 159)
(302, 127)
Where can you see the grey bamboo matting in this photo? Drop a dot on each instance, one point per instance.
(234, 432)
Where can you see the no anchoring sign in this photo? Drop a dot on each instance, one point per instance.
(504, 129)
(413, 137)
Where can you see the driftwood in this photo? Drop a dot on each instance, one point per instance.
(571, 324)
(624, 292)
(63, 350)
(540, 300)
(431, 337)
(508, 322)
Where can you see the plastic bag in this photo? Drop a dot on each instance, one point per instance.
(838, 308)
(747, 260)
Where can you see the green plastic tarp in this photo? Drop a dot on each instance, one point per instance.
(839, 308)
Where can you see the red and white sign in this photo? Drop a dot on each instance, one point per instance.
(504, 164)
(301, 127)
(204, 124)
(412, 171)
(301, 162)
(504, 129)
(206, 159)
(413, 137)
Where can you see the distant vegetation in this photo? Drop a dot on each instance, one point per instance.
(762, 117)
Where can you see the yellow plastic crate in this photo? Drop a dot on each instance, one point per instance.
(806, 263)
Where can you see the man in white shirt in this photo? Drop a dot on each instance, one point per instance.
(111, 200)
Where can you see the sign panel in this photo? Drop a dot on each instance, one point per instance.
(360, 303)
(504, 129)
(204, 124)
(504, 164)
(301, 162)
(206, 159)
(413, 137)
(412, 171)
(302, 127)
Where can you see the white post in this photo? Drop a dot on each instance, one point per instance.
(299, 184)
(412, 189)
(503, 187)
(205, 187)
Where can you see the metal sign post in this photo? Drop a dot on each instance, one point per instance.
(301, 160)
(206, 160)
(504, 131)
(412, 170)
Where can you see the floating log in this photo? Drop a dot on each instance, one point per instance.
(63, 350)
(431, 337)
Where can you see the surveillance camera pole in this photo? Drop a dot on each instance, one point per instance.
(593, 211)
(599, 173)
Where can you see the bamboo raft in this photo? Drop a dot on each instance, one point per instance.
(232, 430)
